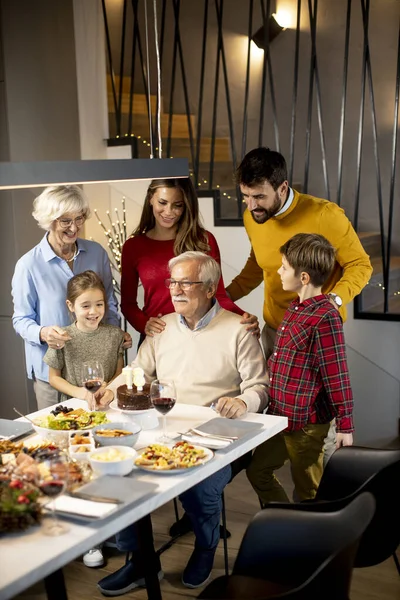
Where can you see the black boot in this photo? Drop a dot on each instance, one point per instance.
(126, 579)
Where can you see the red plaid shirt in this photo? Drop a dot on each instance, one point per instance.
(309, 379)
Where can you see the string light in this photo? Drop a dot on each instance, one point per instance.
(146, 143)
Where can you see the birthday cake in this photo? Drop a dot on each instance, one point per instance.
(132, 399)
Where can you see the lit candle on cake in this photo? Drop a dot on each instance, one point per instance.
(128, 374)
(138, 378)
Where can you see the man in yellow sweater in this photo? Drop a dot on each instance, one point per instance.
(275, 212)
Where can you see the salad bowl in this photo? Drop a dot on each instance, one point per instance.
(57, 427)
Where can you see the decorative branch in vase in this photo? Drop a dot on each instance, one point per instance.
(116, 237)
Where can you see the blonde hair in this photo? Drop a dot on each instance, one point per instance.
(191, 234)
(311, 253)
(209, 270)
(58, 200)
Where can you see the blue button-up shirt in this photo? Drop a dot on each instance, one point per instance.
(39, 288)
(206, 319)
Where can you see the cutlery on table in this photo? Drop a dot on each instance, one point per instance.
(216, 436)
(94, 498)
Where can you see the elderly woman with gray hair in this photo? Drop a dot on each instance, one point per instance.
(41, 276)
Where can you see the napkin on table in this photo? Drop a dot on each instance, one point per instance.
(208, 442)
(84, 508)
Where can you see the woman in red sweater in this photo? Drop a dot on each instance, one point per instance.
(169, 225)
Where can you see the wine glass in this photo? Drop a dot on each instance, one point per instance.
(92, 376)
(163, 398)
(52, 479)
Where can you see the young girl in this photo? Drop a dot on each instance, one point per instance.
(90, 339)
(169, 225)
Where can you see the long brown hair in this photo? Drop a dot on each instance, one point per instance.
(191, 234)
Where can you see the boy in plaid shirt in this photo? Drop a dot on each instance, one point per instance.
(309, 379)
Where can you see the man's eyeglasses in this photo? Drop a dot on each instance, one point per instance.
(184, 285)
(65, 223)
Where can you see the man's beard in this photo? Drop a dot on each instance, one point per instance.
(264, 214)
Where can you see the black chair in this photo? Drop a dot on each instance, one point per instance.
(352, 470)
(297, 554)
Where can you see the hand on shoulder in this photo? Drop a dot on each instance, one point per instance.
(154, 325)
(252, 322)
(54, 336)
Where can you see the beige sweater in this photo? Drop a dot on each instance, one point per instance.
(222, 359)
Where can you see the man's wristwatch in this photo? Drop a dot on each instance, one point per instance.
(337, 299)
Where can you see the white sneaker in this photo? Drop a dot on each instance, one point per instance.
(93, 558)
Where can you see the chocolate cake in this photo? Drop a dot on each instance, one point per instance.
(131, 399)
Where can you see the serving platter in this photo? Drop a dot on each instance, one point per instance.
(208, 455)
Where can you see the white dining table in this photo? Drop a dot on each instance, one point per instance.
(31, 556)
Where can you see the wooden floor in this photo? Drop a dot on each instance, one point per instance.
(376, 583)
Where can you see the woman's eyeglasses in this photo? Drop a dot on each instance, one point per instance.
(184, 285)
(66, 223)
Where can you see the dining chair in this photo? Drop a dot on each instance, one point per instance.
(350, 471)
(297, 554)
(354, 469)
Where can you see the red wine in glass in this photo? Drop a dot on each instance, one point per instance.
(52, 489)
(93, 385)
(52, 479)
(164, 405)
(163, 398)
(92, 375)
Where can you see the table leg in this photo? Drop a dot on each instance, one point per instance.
(55, 586)
(150, 561)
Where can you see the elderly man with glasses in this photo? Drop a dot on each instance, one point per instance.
(211, 358)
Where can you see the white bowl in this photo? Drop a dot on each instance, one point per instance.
(124, 440)
(58, 436)
(77, 452)
(120, 466)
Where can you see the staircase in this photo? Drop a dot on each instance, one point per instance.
(180, 138)
(179, 124)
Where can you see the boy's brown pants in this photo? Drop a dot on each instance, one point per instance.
(304, 450)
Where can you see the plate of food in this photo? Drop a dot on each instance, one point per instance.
(170, 459)
(57, 424)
